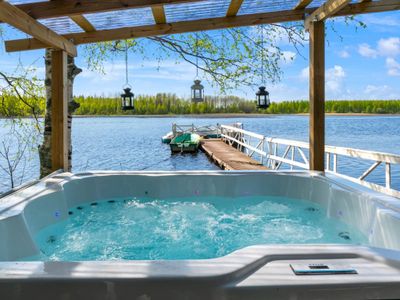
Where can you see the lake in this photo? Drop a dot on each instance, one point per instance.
(131, 143)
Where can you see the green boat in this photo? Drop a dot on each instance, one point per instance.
(186, 142)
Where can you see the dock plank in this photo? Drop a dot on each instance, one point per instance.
(228, 157)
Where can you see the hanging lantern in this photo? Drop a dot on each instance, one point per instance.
(197, 91)
(262, 94)
(262, 98)
(127, 96)
(127, 99)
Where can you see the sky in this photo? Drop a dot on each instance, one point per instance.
(360, 64)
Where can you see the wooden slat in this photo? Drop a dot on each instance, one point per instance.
(59, 109)
(60, 8)
(317, 96)
(83, 23)
(199, 25)
(159, 14)
(302, 4)
(20, 20)
(227, 157)
(328, 9)
(234, 7)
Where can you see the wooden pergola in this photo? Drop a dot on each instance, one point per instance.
(63, 24)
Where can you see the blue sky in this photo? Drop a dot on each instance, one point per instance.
(360, 64)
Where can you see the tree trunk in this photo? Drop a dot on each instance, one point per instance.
(44, 149)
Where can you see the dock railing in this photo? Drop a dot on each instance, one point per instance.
(178, 129)
(276, 152)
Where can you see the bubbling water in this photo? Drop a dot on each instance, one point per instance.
(189, 228)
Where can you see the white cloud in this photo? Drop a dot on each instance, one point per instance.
(381, 20)
(383, 92)
(389, 47)
(370, 88)
(344, 54)
(334, 81)
(393, 67)
(366, 51)
(113, 72)
(335, 72)
(288, 57)
(305, 74)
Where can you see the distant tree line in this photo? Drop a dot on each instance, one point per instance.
(163, 104)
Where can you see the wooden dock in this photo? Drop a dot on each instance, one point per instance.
(228, 157)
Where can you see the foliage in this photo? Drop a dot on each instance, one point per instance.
(21, 95)
(162, 104)
(227, 58)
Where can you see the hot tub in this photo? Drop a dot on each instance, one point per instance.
(349, 268)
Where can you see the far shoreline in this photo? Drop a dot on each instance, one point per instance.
(232, 115)
(219, 116)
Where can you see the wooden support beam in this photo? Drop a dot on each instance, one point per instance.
(159, 14)
(62, 8)
(59, 111)
(317, 96)
(199, 25)
(20, 20)
(83, 23)
(162, 29)
(328, 9)
(302, 4)
(234, 7)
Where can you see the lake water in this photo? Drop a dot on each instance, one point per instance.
(129, 143)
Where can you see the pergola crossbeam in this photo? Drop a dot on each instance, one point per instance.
(234, 7)
(159, 14)
(83, 23)
(22, 21)
(328, 9)
(161, 29)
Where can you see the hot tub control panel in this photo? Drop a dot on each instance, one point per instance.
(322, 269)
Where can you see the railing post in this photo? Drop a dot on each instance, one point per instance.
(291, 166)
(328, 161)
(262, 149)
(269, 163)
(335, 163)
(388, 175)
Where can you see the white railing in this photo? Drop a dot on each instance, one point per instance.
(204, 130)
(276, 152)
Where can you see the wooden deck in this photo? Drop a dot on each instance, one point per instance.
(227, 157)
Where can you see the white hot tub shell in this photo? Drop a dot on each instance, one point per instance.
(256, 272)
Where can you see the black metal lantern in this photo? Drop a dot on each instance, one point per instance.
(127, 99)
(262, 98)
(197, 91)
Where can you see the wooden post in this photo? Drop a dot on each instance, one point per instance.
(59, 109)
(317, 95)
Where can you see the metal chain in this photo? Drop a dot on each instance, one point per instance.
(262, 55)
(126, 64)
(197, 55)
